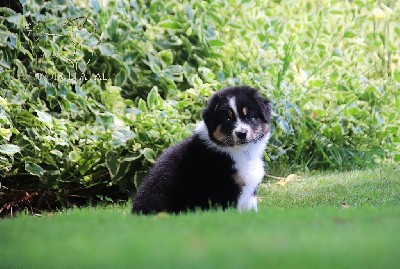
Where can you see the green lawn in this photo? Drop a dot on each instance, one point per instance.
(301, 225)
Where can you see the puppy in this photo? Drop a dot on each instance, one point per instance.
(220, 165)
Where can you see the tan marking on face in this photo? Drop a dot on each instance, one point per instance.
(230, 114)
(238, 180)
(245, 110)
(218, 135)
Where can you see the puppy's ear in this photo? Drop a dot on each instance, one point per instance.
(208, 112)
(265, 107)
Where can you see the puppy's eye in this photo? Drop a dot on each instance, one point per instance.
(248, 113)
(251, 115)
(228, 115)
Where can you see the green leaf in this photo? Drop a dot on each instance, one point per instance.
(122, 173)
(189, 12)
(216, 42)
(153, 98)
(170, 25)
(336, 11)
(74, 156)
(9, 149)
(106, 119)
(34, 169)
(112, 163)
(5, 133)
(112, 27)
(17, 19)
(167, 56)
(350, 34)
(44, 117)
(138, 177)
(106, 49)
(56, 152)
(396, 75)
(149, 154)
(112, 99)
(283, 124)
(95, 6)
(51, 91)
(337, 130)
(315, 83)
(175, 69)
(131, 157)
(120, 78)
(142, 105)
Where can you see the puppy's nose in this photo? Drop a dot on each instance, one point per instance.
(241, 134)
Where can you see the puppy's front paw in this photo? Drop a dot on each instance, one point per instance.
(247, 203)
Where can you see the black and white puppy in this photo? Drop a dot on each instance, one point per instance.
(220, 165)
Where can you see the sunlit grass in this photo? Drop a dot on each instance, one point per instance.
(380, 186)
(300, 225)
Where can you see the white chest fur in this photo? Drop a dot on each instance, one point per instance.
(250, 171)
(247, 163)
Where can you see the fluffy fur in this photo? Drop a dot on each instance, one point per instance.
(220, 165)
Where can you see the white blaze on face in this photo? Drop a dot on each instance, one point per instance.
(232, 104)
(240, 127)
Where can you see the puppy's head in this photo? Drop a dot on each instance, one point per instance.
(237, 116)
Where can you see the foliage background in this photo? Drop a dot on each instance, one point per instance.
(91, 93)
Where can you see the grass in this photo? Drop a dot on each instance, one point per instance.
(301, 225)
(357, 188)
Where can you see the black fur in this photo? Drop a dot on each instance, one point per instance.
(185, 177)
(192, 174)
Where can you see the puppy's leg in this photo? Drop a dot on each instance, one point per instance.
(247, 200)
